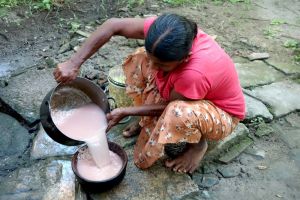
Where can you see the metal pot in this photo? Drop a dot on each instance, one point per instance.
(101, 186)
(64, 95)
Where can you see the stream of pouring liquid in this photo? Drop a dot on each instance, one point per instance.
(86, 123)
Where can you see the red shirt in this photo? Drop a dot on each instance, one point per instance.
(209, 74)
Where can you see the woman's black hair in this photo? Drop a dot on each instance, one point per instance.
(170, 37)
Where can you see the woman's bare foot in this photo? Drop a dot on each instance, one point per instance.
(189, 161)
(132, 129)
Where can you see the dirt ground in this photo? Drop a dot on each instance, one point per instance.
(241, 28)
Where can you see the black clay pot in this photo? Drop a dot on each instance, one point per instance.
(92, 93)
(101, 186)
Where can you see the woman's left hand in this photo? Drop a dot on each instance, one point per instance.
(114, 117)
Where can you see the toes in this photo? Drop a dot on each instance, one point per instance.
(183, 169)
(170, 163)
(177, 167)
(193, 168)
(126, 133)
(188, 169)
(131, 130)
(126, 129)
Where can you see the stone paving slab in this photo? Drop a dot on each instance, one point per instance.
(154, 183)
(255, 108)
(294, 154)
(43, 147)
(45, 180)
(282, 97)
(257, 73)
(25, 92)
(10, 68)
(288, 130)
(216, 149)
(288, 68)
(15, 140)
(263, 130)
(290, 135)
(236, 150)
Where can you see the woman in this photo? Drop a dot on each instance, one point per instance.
(183, 84)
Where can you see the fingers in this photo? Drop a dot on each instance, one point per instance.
(64, 79)
(57, 75)
(65, 72)
(108, 116)
(61, 79)
(110, 125)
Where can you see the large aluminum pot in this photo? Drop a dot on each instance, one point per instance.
(78, 92)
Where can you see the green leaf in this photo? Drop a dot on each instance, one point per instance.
(278, 22)
(291, 44)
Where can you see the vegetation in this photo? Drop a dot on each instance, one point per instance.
(278, 22)
(134, 3)
(177, 2)
(43, 5)
(11, 3)
(295, 46)
(232, 1)
(33, 4)
(180, 2)
(273, 29)
(271, 32)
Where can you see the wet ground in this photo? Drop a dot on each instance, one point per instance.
(260, 161)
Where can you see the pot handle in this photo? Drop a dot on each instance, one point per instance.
(112, 105)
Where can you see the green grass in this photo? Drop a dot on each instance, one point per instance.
(32, 5)
(134, 3)
(291, 44)
(3, 12)
(13, 3)
(278, 22)
(271, 32)
(232, 1)
(8, 3)
(295, 46)
(181, 2)
(35, 4)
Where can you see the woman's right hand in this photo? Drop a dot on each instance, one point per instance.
(65, 72)
(114, 117)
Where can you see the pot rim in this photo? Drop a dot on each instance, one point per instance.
(115, 83)
(46, 115)
(74, 164)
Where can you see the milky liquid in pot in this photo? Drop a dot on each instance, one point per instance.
(87, 168)
(88, 123)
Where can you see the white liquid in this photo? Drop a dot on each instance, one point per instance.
(87, 169)
(82, 123)
(86, 123)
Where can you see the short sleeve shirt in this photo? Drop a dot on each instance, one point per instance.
(208, 74)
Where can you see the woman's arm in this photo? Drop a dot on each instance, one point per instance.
(127, 27)
(153, 109)
(145, 110)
